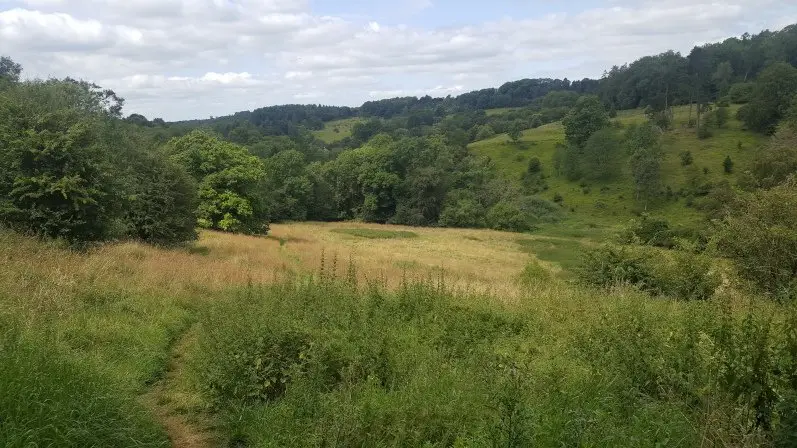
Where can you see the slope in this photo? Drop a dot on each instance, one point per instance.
(608, 203)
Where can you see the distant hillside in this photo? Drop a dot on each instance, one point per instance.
(602, 202)
(708, 72)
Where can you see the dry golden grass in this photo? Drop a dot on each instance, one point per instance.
(46, 276)
(473, 260)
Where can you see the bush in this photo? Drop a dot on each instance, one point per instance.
(162, 199)
(686, 158)
(534, 166)
(462, 209)
(311, 359)
(650, 231)
(703, 132)
(771, 97)
(760, 236)
(600, 155)
(612, 266)
(742, 92)
(507, 215)
(651, 271)
(71, 170)
(727, 165)
(57, 179)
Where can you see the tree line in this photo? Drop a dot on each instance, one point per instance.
(74, 168)
(713, 72)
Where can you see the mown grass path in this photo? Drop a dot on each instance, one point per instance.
(186, 428)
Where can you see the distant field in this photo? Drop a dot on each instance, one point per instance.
(336, 130)
(609, 202)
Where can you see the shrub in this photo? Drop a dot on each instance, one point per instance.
(462, 209)
(650, 271)
(686, 158)
(255, 366)
(650, 231)
(760, 236)
(742, 92)
(162, 199)
(703, 132)
(611, 266)
(57, 179)
(507, 215)
(535, 166)
(600, 155)
(727, 165)
(71, 170)
(771, 97)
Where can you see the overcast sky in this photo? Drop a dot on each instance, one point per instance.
(181, 59)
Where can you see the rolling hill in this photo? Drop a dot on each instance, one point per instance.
(607, 203)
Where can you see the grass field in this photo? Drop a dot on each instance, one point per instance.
(349, 334)
(609, 202)
(336, 130)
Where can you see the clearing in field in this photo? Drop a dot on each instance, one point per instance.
(336, 130)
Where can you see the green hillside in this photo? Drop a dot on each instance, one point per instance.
(605, 202)
(336, 130)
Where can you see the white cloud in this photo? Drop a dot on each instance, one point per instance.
(183, 58)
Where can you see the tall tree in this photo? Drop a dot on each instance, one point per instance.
(771, 97)
(600, 156)
(643, 144)
(515, 131)
(584, 119)
(9, 70)
(723, 77)
(231, 182)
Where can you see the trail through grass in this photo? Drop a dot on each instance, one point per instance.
(177, 410)
(454, 337)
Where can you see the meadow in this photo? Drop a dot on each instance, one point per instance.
(349, 334)
(605, 203)
(336, 130)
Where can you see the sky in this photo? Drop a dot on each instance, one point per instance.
(184, 59)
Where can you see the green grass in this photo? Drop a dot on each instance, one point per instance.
(336, 130)
(613, 202)
(53, 398)
(322, 364)
(314, 360)
(377, 233)
(564, 252)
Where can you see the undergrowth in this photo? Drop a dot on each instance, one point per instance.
(327, 363)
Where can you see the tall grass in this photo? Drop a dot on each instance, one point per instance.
(325, 364)
(51, 398)
(343, 356)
